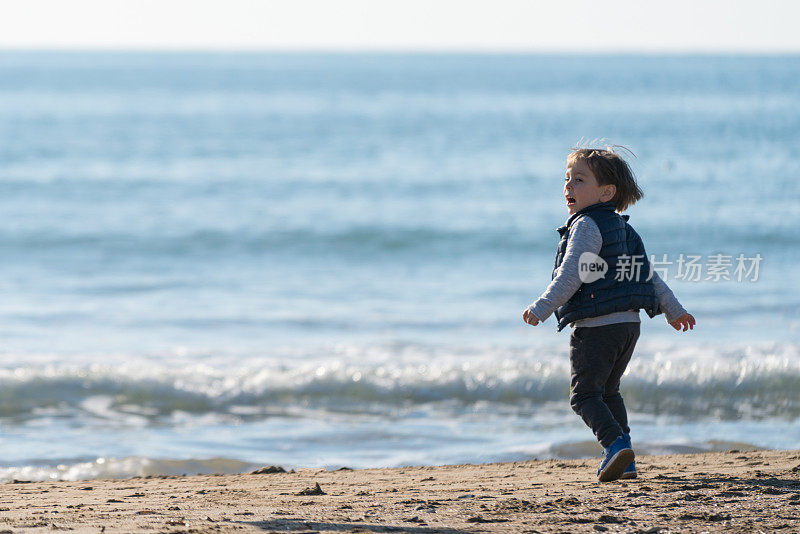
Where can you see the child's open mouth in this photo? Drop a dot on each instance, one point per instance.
(570, 201)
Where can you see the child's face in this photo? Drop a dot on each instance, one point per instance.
(581, 188)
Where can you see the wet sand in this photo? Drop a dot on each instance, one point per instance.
(713, 492)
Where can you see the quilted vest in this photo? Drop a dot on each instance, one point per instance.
(608, 295)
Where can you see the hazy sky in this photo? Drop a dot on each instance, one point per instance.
(495, 25)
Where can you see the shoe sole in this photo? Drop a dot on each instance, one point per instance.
(627, 476)
(616, 466)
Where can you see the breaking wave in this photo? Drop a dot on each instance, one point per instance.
(729, 384)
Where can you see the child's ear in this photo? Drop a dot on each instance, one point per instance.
(609, 191)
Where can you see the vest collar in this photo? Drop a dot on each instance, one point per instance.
(607, 206)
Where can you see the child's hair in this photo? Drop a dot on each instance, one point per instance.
(610, 169)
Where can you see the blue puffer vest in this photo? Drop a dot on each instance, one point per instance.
(608, 295)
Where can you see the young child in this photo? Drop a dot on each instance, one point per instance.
(603, 308)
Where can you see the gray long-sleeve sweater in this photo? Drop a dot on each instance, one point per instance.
(585, 236)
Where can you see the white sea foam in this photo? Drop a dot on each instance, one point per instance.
(123, 468)
(731, 382)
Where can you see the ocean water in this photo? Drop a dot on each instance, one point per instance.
(212, 262)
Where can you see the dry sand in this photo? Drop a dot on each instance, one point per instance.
(713, 492)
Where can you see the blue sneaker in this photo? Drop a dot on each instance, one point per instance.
(616, 458)
(630, 471)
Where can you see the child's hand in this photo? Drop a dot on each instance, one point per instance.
(530, 318)
(686, 321)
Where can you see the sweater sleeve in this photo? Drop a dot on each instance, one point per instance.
(584, 236)
(666, 299)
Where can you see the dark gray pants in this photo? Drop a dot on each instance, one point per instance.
(598, 357)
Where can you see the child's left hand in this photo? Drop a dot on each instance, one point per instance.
(685, 321)
(530, 318)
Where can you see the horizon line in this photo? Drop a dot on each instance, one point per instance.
(406, 50)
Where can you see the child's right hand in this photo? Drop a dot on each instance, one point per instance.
(686, 321)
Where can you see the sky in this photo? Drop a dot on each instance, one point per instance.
(750, 26)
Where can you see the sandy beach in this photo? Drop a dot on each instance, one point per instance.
(712, 492)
